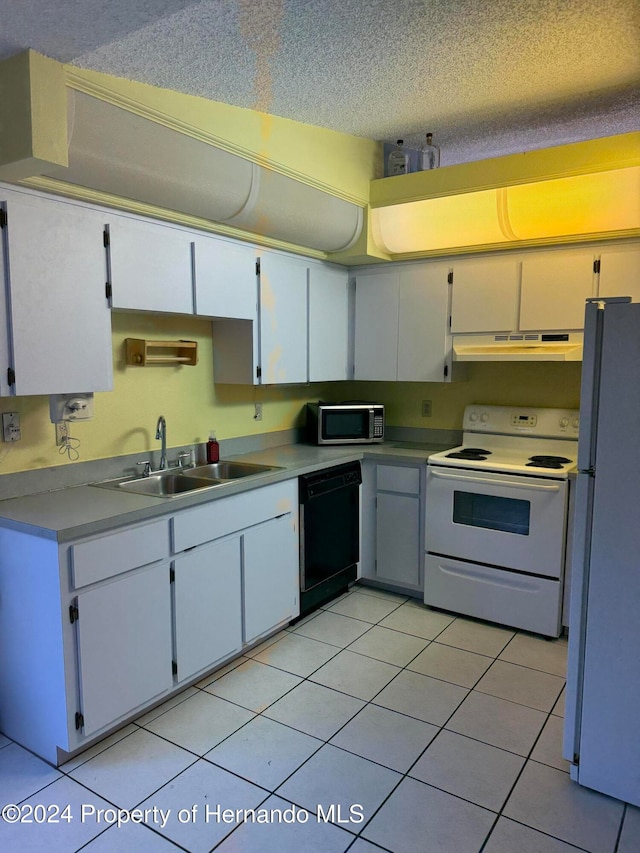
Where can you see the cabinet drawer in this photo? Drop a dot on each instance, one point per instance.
(394, 478)
(107, 556)
(229, 515)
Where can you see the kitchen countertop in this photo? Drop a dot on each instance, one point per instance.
(78, 511)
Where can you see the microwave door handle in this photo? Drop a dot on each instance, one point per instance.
(371, 422)
(486, 481)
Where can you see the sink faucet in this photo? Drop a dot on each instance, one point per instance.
(161, 435)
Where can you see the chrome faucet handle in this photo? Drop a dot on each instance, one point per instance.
(181, 458)
(147, 467)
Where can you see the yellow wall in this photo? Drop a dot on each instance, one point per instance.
(125, 418)
(508, 384)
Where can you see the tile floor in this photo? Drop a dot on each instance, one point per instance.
(374, 724)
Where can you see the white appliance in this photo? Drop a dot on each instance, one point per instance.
(519, 346)
(496, 517)
(602, 730)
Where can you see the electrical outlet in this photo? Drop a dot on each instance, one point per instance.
(62, 433)
(426, 408)
(11, 426)
(258, 412)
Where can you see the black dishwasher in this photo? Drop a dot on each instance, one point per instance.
(329, 532)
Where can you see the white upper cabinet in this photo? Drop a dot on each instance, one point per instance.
(376, 325)
(620, 272)
(283, 319)
(225, 278)
(57, 312)
(150, 266)
(328, 323)
(401, 331)
(485, 295)
(424, 344)
(555, 285)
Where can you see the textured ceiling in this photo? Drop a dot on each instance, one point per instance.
(487, 77)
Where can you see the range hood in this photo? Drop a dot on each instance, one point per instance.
(519, 346)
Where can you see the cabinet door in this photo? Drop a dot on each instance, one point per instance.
(554, 288)
(423, 331)
(620, 272)
(398, 553)
(124, 645)
(150, 266)
(207, 606)
(376, 326)
(225, 279)
(271, 580)
(59, 316)
(485, 295)
(283, 320)
(328, 324)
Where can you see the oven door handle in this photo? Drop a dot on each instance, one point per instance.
(551, 487)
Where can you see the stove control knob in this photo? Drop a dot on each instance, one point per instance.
(484, 417)
(564, 422)
(473, 417)
(575, 422)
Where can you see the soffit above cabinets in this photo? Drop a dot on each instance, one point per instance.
(116, 151)
(573, 192)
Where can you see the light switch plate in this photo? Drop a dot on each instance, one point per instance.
(11, 426)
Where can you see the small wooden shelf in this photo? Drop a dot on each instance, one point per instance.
(143, 353)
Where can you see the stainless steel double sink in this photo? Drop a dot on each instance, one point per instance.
(179, 481)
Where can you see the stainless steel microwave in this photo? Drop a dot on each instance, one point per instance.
(345, 423)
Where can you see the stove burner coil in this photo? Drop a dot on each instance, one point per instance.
(474, 454)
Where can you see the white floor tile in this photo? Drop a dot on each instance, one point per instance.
(286, 831)
(73, 807)
(508, 837)
(430, 820)
(547, 800)
(386, 737)
(630, 837)
(476, 637)
(132, 769)
(333, 628)
(297, 654)
(166, 706)
(521, 684)
(545, 655)
(254, 685)
(559, 707)
(22, 774)
(365, 607)
(363, 846)
(335, 777)
(234, 664)
(356, 675)
(315, 710)
(548, 748)
(498, 722)
(99, 747)
(420, 696)
(130, 837)
(475, 771)
(381, 593)
(264, 752)
(418, 621)
(451, 664)
(4, 741)
(211, 791)
(388, 646)
(201, 722)
(260, 647)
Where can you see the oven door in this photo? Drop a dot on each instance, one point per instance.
(507, 520)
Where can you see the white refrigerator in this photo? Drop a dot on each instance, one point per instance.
(602, 722)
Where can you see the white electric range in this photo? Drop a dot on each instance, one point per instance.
(496, 517)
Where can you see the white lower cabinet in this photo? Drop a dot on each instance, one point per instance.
(124, 645)
(207, 606)
(96, 630)
(270, 575)
(392, 529)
